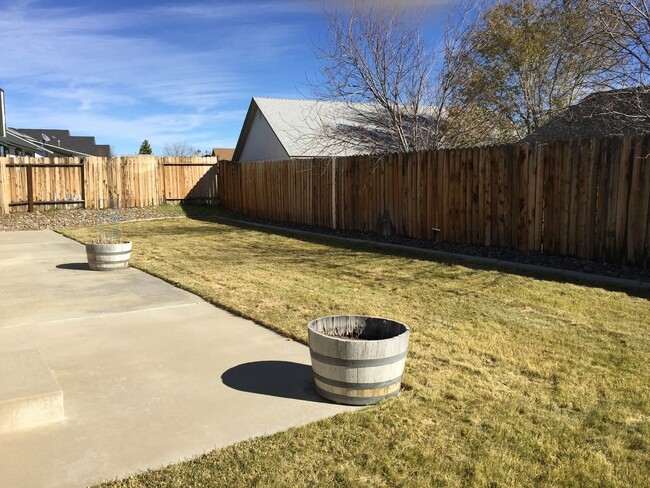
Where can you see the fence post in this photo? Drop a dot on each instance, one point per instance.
(30, 188)
(83, 180)
(163, 184)
(4, 187)
(334, 183)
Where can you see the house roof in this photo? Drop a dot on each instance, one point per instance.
(298, 125)
(20, 139)
(48, 141)
(61, 139)
(611, 113)
(16, 139)
(223, 153)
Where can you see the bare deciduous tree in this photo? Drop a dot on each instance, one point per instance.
(621, 30)
(377, 57)
(626, 28)
(501, 71)
(395, 85)
(460, 121)
(178, 150)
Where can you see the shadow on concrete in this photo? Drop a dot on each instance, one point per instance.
(274, 378)
(74, 266)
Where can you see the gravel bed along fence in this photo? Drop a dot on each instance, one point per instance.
(78, 217)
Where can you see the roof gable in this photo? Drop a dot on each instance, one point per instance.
(224, 153)
(301, 125)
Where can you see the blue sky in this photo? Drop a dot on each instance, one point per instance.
(169, 72)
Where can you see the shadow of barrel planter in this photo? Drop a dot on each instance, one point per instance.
(357, 360)
(108, 256)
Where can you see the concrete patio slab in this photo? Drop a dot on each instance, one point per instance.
(29, 394)
(150, 374)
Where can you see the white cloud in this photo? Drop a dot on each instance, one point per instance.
(400, 4)
(105, 48)
(66, 57)
(166, 74)
(244, 12)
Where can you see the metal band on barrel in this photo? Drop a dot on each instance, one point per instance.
(348, 400)
(357, 363)
(357, 386)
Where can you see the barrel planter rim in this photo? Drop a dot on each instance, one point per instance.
(357, 370)
(109, 244)
(312, 323)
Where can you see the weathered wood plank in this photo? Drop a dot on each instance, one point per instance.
(637, 206)
(479, 225)
(622, 206)
(487, 192)
(5, 195)
(521, 194)
(444, 208)
(641, 256)
(583, 232)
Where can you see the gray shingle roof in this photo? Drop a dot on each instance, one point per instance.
(63, 139)
(298, 124)
(316, 128)
(612, 113)
(17, 139)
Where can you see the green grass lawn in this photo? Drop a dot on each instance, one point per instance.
(510, 380)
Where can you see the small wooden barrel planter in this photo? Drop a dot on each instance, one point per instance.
(357, 360)
(108, 257)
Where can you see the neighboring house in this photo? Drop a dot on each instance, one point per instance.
(280, 129)
(624, 112)
(223, 153)
(37, 142)
(12, 143)
(17, 143)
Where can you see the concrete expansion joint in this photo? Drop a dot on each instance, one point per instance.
(92, 316)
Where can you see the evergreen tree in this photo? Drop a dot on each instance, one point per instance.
(145, 147)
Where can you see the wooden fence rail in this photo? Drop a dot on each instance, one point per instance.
(586, 198)
(139, 181)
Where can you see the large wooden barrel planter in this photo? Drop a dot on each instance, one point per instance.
(357, 360)
(108, 257)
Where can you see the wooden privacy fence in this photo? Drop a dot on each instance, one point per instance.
(26, 183)
(586, 198)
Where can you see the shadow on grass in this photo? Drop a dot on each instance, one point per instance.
(74, 266)
(274, 378)
(223, 216)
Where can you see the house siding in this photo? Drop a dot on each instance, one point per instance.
(262, 143)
